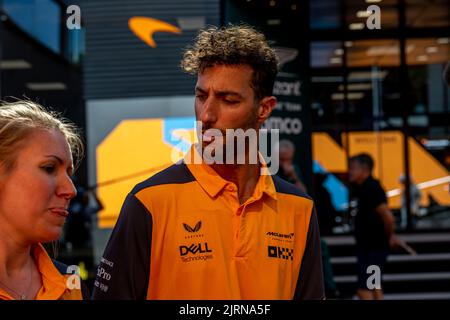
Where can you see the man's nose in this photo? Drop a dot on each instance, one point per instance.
(208, 113)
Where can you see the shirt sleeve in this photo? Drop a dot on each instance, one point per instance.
(124, 269)
(310, 285)
(378, 195)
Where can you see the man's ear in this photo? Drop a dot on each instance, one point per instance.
(265, 108)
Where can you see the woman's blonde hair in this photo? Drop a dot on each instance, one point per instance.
(19, 119)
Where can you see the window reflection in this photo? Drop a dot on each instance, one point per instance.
(39, 18)
(427, 13)
(325, 14)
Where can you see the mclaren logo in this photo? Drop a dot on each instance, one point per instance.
(188, 228)
(144, 28)
(280, 235)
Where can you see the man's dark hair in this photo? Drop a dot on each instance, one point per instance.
(234, 45)
(447, 74)
(363, 159)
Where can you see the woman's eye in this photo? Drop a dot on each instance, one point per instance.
(49, 169)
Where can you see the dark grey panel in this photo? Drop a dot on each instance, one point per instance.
(119, 65)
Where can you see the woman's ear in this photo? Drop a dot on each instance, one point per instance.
(265, 108)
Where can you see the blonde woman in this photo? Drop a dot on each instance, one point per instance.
(36, 152)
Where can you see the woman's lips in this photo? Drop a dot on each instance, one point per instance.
(60, 211)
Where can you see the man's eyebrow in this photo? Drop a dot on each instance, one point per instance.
(221, 93)
(229, 93)
(200, 89)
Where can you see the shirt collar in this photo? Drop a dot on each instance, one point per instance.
(213, 183)
(53, 283)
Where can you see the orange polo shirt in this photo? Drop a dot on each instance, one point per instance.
(54, 284)
(182, 234)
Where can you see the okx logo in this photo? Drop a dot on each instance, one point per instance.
(195, 249)
(280, 252)
(188, 228)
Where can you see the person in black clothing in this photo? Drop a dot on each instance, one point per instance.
(326, 213)
(374, 224)
(79, 222)
(446, 74)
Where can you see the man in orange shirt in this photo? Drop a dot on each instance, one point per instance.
(214, 230)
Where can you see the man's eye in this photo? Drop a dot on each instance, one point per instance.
(231, 101)
(200, 96)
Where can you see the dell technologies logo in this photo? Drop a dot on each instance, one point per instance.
(194, 249)
(195, 252)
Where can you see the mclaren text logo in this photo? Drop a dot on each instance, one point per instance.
(279, 252)
(195, 252)
(280, 235)
(197, 227)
